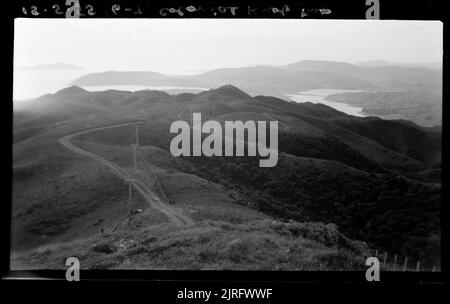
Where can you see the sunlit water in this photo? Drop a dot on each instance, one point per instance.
(318, 96)
(32, 84)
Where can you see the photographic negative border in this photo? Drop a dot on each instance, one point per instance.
(401, 10)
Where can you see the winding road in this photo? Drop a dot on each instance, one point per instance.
(174, 215)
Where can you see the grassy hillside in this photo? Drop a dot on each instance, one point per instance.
(375, 180)
(210, 245)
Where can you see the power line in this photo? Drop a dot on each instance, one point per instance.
(137, 135)
(132, 180)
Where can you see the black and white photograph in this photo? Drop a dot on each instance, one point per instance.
(227, 144)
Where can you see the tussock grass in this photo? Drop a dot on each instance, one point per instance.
(257, 245)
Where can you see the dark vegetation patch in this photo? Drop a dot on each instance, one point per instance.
(386, 210)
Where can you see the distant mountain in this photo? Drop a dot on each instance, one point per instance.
(255, 80)
(231, 91)
(134, 78)
(72, 90)
(390, 77)
(373, 63)
(325, 66)
(60, 66)
(288, 79)
(378, 63)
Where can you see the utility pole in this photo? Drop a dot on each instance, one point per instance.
(134, 160)
(137, 135)
(130, 181)
(133, 179)
(134, 149)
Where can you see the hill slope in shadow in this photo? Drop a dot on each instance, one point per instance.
(365, 175)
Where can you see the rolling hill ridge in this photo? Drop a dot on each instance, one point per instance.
(341, 173)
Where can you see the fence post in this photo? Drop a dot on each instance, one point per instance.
(376, 253)
(385, 258)
(406, 264)
(434, 269)
(418, 266)
(395, 262)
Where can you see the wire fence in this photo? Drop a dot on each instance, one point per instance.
(395, 262)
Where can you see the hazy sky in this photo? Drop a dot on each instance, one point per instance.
(182, 46)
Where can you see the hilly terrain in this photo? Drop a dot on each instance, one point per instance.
(343, 185)
(288, 79)
(378, 63)
(391, 91)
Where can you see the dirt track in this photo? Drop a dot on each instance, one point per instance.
(173, 214)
